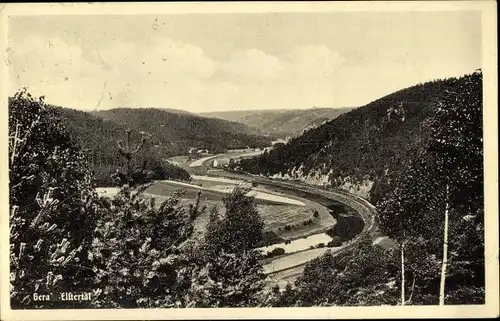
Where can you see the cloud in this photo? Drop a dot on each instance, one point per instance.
(253, 64)
(312, 62)
(53, 68)
(162, 72)
(301, 64)
(163, 58)
(75, 75)
(217, 62)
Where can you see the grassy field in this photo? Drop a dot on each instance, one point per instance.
(182, 161)
(275, 216)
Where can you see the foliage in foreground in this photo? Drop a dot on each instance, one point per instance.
(365, 275)
(232, 275)
(241, 228)
(442, 190)
(52, 212)
(129, 251)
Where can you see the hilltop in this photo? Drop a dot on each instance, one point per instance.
(280, 123)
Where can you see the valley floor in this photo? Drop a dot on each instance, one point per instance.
(278, 206)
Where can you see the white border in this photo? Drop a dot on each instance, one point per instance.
(489, 49)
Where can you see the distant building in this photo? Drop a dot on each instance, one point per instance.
(203, 151)
(280, 141)
(222, 162)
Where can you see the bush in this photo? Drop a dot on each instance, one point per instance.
(316, 214)
(335, 242)
(268, 238)
(308, 222)
(276, 252)
(51, 205)
(320, 245)
(139, 251)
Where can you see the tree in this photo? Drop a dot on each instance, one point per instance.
(140, 251)
(456, 143)
(438, 201)
(403, 213)
(51, 205)
(241, 227)
(363, 276)
(128, 152)
(228, 280)
(229, 273)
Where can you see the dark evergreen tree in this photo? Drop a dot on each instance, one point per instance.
(51, 205)
(437, 206)
(241, 227)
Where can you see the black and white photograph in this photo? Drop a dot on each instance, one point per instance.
(229, 156)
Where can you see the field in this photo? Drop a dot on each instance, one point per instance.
(181, 161)
(289, 216)
(275, 215)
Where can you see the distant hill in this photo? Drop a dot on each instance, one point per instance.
(362, 149)
(169, 133)
(280, 123)
(174, 132)
(180, 131)
(95, 135)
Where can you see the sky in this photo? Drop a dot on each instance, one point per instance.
(217, 62)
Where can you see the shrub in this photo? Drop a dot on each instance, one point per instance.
(51, 205)
(276, 252)
(335, 242)
(139, 251)
(268, 238)
(228, 272)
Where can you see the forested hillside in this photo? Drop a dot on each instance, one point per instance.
(99, 139)
(364, 149)
(280, 123)
(167, 134)
(178, 132)
(433, 209)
